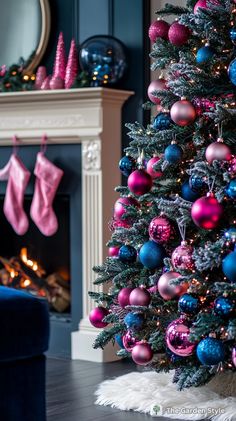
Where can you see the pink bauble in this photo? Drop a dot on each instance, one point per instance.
(202, 105)
(142, 353)
(169, 291)
(160, 229)
(183, 113)
(129, 341)
(113, 251)
(153, 289)
(153, 173)
(218, 151)
(177, 338)
(156, 85)
(206, 212)
(139, 297)
(120, 209)
(234, 356)
(232, 165)
(178, 34)
(97, 315)
(182, 257)
(139, 182)
(158, 29)
(56, 83)
(120, 224)
(200, 3)
(123, 296)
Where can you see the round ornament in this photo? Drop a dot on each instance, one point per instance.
(113, 251)
(133, 321)
(232, 71)
(232, 34)
(230, 234)
(160, 229)
(204, 54)
(151, 255)
(162, 121)
(210, 351)
(234, 356)
(140, 297)
(120, 206)
(127, 254)
(189, 304)
(173, 153)
(200, 3)
(123, 296)
(177, 338)
(150, 170)
(142, 353)
(229, 266)
(178, 34)
(187, 193)
(129, 341)
(196, 183)
(224, 307)
(202, 105)
(158, 29)
(218, 151)
(169, 291)
(206, 212)
(119, 341)
(183, 113)
(231, 189)
(139, 182)
(182, 257)
(156, 85)
(97, 315)
(127, 165)
(232, 165)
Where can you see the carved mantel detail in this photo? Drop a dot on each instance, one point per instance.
(91, 153)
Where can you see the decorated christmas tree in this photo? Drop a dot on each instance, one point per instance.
(171, 269)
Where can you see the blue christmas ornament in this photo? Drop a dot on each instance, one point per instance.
(224, 307)
(230, 234)
(210, 351)
(119, 341)
(162, 121)
(232, 71)
(232, 34)
(187, 193)
(133, 321)
(127, 165)
(204, 54)
(229, 266)
(173, 153)
(231, 189)
(189, 304)
(127, 254)
(151, 255)
(196, 183)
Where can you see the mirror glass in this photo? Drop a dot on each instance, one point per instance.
(21, 26)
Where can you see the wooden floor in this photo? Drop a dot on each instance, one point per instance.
(70, 391)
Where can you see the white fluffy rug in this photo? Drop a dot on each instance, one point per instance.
(156, 395)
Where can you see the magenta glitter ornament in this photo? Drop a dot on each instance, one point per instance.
(169, 291)
(178, 34)
(72, 65)
(183, 113)
(203, 105)
(113, 251)
(182, 257)
(206, 212)
(232, 165)
(123, 296)
(139, 182)
(120, 224)
(142, 353)
(158, 29)
(46, 84)
(129, 341)
(120, 209)
(177, 338)
(160, 229)
(200, 3)
(218, 151)
(56, 83)
(41, 75)
(234, 356)
(153, 173)
(156, 85)
(140, 297)
(97, 315)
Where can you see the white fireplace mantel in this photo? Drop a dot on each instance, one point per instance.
(92, 117)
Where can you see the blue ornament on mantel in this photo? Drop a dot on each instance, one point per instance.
(232, 34)
(127, 254)
(210, 351)
(173, 153)
(204, 54)
(231, 189)
(189, 304)
(133, 321)
(224, 307)
(162, 121)
(232, 71)
(187, 193)
(229, 266)
(151, 255)
(127, 165)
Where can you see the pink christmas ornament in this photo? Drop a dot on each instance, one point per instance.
(158, 29)
(202, 105)
(123, 296)
(177, 338)
(206, 212)
(218, 151)
(232, 165)
(72, 66)
(59, 69)
(160, 229)
(96, 317)
(140, 297)
(113, 251)
(234, 356)
(120, 224)
(153, 289)
(41, 75)
(153, 173)
(142, 353)
(182, 257)
(178, 34)
(129, 341)
(183, 113)
(56, 83)
(139, 182)
(200, 3)
(46, 84)
(120, 206)
(156, 85)
(169, 291)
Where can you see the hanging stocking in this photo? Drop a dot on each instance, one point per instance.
(18, 177)
(48, 177)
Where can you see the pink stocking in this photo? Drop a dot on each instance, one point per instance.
(18, 177)
(48, 177)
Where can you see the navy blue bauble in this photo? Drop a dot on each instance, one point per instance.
(204, 54)
(196, 183)
(210, 351)
(173, 153)
(232, 71)
(187, 193)
(127, 254)
(104, 58)
(231, 189)
(224, 307)
(230, 234)
(151, 255)
(162, 121)
(189, 304)
(232, 34)
(133, 321)
(229, 266)
(119, 341)
(127, 165)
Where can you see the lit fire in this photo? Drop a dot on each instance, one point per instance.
(24, 257)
